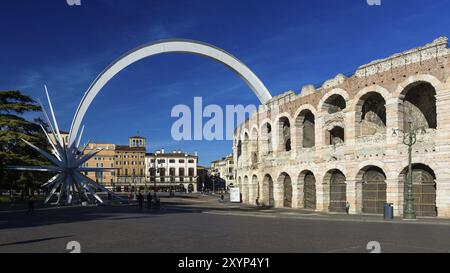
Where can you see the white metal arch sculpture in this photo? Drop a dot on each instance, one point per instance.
(68, 159)
(161, 47)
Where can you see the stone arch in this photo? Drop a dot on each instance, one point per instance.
(418, 106)
(266, 138)
(435, 82)
(335, 135)
(254, 132)
(246, 191)
(305, 107)
(305, 129)
(424, 189)
(267, 188)
(371, 189)
(283, 134)
(335, 183)
(254, 151)
(255, 190)
(307, 187)
(328, 95)
(161, 47)
(285, 189)
(369, 89)
(370, 111)
(422, 117)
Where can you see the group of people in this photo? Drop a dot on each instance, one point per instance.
(152, 200)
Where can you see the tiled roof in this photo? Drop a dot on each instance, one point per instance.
(125, 148)
(172, 155)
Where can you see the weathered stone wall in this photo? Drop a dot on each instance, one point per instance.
(369, 141)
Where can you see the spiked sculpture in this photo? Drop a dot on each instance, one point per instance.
(68, 161)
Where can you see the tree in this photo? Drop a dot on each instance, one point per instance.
(13, 151)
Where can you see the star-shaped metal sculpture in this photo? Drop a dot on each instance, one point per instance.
(68, 165)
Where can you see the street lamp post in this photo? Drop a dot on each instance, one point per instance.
(156, 173)
(409, 139)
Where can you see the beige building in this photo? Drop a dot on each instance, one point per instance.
(328, 145)
(224, 169)
(64, 136)
(104, 159)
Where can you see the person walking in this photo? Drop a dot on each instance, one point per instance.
(30, 205)
(157, 202)
(140, 200)
(347, 207)
(149, 200)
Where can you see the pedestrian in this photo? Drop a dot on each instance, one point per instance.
(140, 200)
(157, 202)
(149, 200)
(257, 202)
(347, 207)
(30, 205)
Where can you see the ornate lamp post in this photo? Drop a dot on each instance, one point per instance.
(409, 139)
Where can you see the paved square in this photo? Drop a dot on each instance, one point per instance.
(202, 224)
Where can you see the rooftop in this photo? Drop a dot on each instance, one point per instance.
(125, 148)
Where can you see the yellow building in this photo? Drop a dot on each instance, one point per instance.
(130, 163)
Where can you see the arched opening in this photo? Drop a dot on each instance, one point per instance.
(309, 189)
(191, 188)
(419, 106)
(338, 190)
(266, 138)
(255, 189)
(245, 147)
(373, 189)
(285, 181)
(284, 135)
(371, 115)
(305, 129)
(254, 147)
(239, 148)
(268, 197)
(335, 136)
(424, 189)
(245, 190)
(333, 104)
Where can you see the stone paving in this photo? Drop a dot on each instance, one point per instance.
(192, 224)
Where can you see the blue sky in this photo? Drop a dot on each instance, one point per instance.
(286, 43)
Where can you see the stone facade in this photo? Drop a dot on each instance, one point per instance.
(335, 144)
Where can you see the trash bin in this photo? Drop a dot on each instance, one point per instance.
(388, 211)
